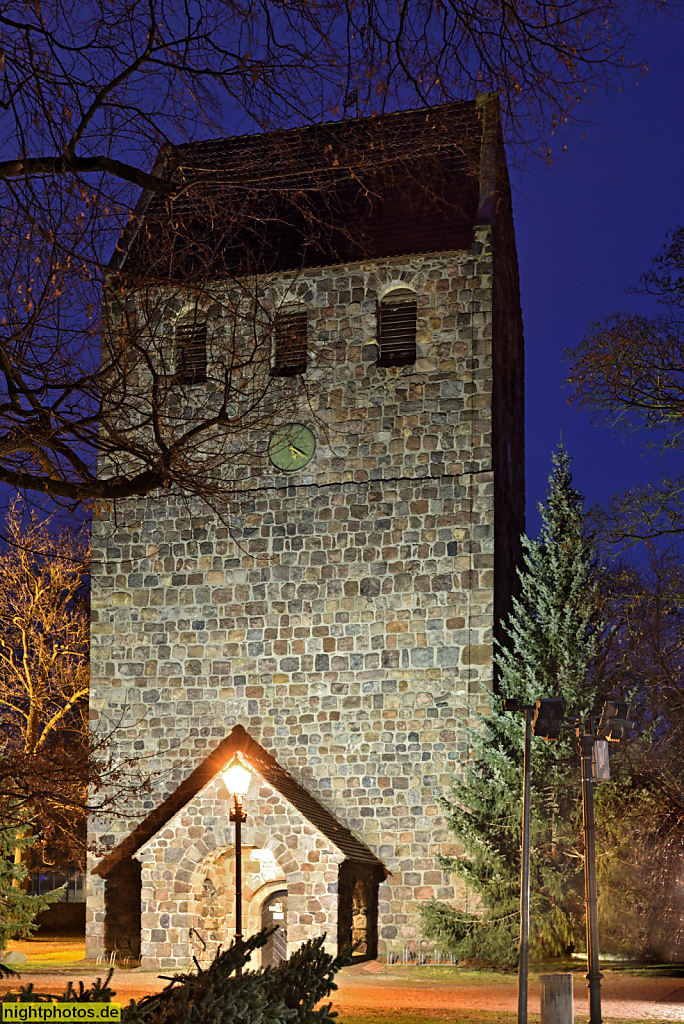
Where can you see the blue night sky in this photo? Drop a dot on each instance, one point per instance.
(586, 229)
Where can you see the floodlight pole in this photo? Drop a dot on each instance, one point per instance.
(586, 742)
(523, 953)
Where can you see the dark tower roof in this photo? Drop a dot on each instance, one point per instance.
(396, 184)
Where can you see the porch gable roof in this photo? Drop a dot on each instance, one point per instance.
(266, 766)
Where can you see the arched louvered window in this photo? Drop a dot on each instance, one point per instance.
(190, 345)
(290, 344)
(397, 314)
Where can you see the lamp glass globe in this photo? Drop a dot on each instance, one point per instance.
(237, 777)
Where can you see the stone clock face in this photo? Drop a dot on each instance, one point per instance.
(291, 447)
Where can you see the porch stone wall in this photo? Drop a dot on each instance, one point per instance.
(176, 861)
(95, 912)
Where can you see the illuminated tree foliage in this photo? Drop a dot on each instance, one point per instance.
(44, 678)
(641, 811)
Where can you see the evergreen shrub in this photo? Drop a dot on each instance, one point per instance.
(286, 994)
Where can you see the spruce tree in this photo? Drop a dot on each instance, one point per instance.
(286, 994)
(552, 634)
(18, 910)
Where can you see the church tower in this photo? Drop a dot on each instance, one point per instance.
(335, 625)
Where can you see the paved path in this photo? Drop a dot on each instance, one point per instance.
(622, 996)
(127, 984)
(386, 987)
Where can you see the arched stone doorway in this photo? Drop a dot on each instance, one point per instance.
(213, 890)
(360, 918)
(274, 912)
(122, 909)
(358, 907)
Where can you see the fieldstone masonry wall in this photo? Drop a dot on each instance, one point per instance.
(346, 617)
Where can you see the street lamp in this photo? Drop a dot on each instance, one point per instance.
(548, 717)
(237, 778)
(611, 726)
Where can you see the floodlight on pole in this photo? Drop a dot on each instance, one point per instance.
(523, 947)
(548, 717)
(586, 745)
(611, 726)
(614, 722)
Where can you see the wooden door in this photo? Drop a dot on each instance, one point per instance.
(274, 911)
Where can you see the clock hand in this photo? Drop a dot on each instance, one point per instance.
(296, 451)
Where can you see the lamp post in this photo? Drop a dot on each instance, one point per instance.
(586, 745)
(548, 715)
(523, 946)
(523, 954)
(237, 777)
(611, 726)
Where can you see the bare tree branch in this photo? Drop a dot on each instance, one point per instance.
(100, 98)
(629, 372)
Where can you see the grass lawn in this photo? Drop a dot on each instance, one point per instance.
(460, 1016)
(48, 953)
(429, 1017)
(453, 975)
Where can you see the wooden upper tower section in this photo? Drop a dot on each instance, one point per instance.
(396, 184)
